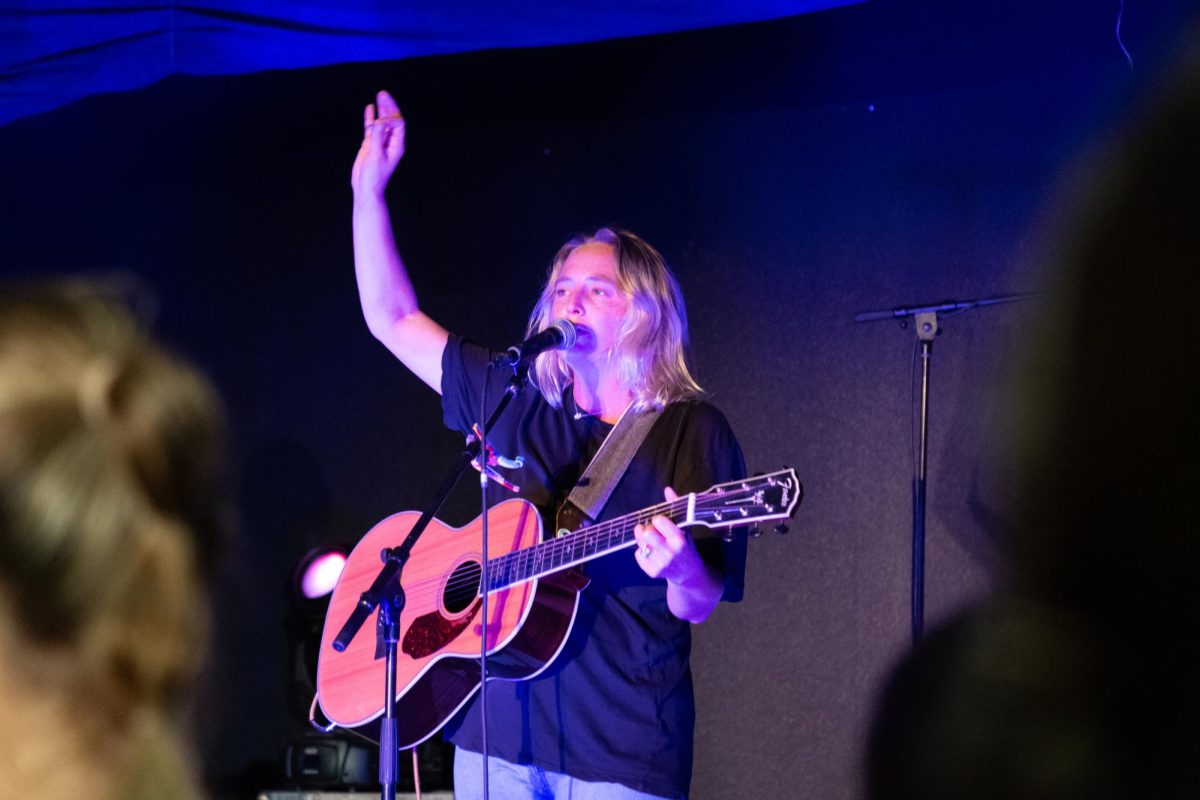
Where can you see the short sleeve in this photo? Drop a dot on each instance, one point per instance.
(709, 454)
(464, 369)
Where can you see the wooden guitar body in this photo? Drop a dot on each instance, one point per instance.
(437, 667)
(533, 594)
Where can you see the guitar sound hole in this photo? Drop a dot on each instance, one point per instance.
(462, 588)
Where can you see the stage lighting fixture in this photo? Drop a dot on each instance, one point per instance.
(309, 590)
(336, 760)
(317, 574)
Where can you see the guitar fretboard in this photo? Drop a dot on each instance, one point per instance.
(582, 545)
(741, 502)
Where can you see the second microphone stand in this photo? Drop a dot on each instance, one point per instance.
(925, 322)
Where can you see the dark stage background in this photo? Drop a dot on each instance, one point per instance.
(793, 172)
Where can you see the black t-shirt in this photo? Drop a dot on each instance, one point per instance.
(616, 705)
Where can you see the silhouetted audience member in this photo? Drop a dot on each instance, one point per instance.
(110, 498)
(1079, 680)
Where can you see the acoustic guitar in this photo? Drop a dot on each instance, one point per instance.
(533, 593)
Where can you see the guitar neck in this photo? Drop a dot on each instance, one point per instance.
(577, 547)
(742, 502)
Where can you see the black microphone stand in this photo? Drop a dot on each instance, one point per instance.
(386, 593)
(925, 323)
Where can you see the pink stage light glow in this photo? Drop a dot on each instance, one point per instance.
(321, 575)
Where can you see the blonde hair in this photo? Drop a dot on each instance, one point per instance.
(110, 509)
(651, 339)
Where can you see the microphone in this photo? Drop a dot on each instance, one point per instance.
(559, 336)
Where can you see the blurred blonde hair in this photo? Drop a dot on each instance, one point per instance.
(651, 340)
(110, 508)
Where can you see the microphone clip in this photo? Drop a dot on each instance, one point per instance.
(492, 459)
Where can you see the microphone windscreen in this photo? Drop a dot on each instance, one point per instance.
(567, 328)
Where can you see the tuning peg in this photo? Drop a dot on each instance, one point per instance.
(755, 532)
(781, 528)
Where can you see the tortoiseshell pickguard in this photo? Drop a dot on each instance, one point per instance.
(431, 632)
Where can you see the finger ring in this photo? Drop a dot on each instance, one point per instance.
(645, 551)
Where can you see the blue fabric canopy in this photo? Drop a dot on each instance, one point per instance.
(57, 51)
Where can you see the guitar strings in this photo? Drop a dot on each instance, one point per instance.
(532, 562)
(549, 556)
(554, 554)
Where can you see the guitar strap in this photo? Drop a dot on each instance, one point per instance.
(597, 482)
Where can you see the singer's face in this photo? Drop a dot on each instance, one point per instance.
(587, 294)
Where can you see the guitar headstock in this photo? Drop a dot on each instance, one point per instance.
(748, 501)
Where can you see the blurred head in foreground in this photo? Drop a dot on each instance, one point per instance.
(110, 495)
(1078, 680)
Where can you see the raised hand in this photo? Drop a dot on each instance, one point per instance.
(382, 146)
